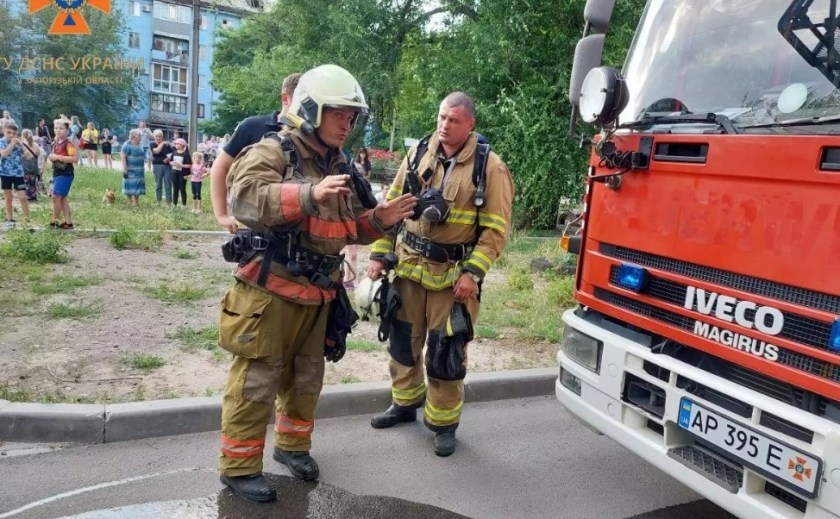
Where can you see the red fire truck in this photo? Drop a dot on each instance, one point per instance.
(707, 336)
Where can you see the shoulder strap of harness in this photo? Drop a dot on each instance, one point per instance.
(290, 154)
(479, 176)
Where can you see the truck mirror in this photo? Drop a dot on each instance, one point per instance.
(597, 14)
(603, 96)
(587, 56)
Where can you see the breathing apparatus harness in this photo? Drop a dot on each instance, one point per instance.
(284, 246)
(433, 208)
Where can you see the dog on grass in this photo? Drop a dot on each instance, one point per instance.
(110, 196)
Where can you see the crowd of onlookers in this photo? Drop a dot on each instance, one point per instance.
(27, 156)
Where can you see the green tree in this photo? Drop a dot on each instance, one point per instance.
(91, 89)
(9, 33)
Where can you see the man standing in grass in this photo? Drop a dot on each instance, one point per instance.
(63, 157)
(11, 172)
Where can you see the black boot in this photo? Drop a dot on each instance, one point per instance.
(394, 415)
(252, 487)
(445, 443)
(301, 464)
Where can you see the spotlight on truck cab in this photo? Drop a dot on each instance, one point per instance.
(603, 96)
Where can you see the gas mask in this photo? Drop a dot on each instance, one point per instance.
(431, 207)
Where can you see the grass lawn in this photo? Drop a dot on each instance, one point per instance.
(90, 212)
(528, 306)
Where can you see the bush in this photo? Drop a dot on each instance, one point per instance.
(520, 280)
(561, 292)
(37, 247)
(131, 239)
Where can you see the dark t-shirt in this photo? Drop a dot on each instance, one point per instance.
(157, 158)
(186, 159)
(251, 131)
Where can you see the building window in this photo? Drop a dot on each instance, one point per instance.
(173, 13)
(202, 52)
(134, 8)
(131, 101)
(134, 40)
(176, 50)
(136, 72)
(168, 79)
(169, 104)
(200, 111)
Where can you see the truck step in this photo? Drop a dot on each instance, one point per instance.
(716, 469)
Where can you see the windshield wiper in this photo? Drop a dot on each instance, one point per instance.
(804, 121)
(647, 120)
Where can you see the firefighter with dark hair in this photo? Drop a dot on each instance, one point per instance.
(459, 228)
(288, 310)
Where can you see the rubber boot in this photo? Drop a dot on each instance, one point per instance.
(394, 415)
(445, 443)
(253, 487)
(301, 464)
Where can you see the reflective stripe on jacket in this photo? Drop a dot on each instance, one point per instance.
(263, 199)
(487, 227)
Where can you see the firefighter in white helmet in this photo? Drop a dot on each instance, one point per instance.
(288, 310)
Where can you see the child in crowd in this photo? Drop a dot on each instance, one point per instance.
(180, 162)
(199, 171)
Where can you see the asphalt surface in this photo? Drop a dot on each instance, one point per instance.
(516, 458)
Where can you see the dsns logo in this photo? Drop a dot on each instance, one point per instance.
(69, 19)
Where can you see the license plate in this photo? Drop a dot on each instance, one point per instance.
(768, 456)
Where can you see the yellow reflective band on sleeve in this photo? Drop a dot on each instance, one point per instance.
(480, 260)
(408, 396)
(393, 193)
(381, 246)
(419, 274)
(443, 416)
(462, 217)
(492, 221)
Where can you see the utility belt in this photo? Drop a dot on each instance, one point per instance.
(438, 252)
(243, 246)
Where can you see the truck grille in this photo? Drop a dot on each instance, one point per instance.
(787, 357)
(797, 328)
(791, 294)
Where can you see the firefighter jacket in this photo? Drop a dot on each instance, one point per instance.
(485, 230)
(264, 199)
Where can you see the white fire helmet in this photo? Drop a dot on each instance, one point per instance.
(323, 86)
(368, 297)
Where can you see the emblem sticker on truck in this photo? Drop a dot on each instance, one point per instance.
(765, 319)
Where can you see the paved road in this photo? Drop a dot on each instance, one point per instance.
(516, 458)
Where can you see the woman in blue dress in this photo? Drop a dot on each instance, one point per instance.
(133, 156)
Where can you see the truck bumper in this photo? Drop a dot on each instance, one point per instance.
(603, 405)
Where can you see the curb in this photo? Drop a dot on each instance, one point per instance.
(97, 423)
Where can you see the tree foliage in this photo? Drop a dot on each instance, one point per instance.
(513, 56)
(101, 92)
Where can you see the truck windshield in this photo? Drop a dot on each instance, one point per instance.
(729, 57)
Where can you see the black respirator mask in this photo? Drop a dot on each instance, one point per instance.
(431, 207)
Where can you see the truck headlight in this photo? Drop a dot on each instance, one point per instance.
(581, 348)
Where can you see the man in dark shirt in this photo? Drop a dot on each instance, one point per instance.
(248, 132)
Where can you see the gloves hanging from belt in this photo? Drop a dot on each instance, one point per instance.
(340, 323)
(448, 354)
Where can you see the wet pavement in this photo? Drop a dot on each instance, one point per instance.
(525, 458)
(296, 499)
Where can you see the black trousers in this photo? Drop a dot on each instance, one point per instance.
(179, 185)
